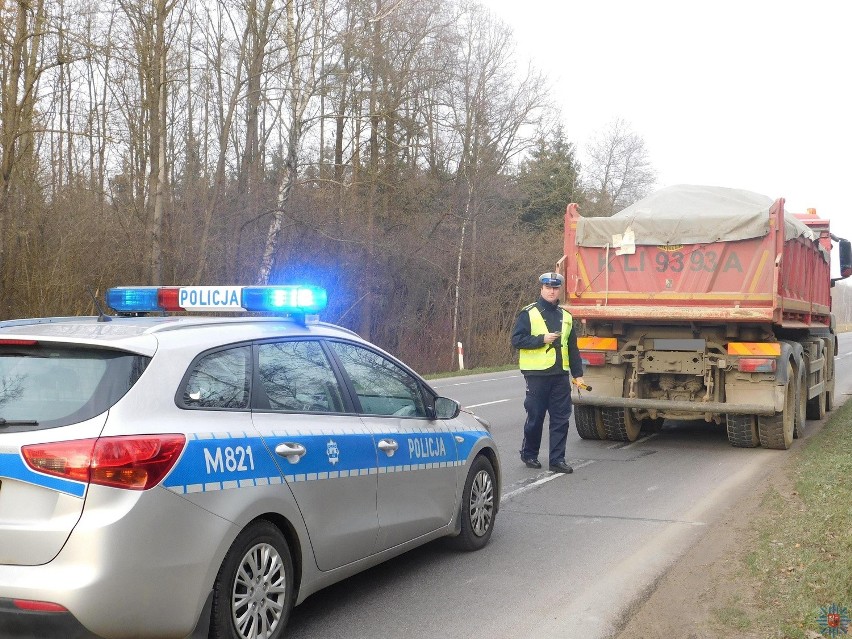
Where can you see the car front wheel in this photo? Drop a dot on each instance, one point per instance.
(253, 593)
(478, 507)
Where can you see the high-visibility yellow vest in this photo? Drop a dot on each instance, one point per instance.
(542, 358)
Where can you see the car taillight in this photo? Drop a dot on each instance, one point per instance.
(593, 358)
(38, 606)
(135, 462)
(757, 364)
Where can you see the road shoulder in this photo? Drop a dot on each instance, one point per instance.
(708, 592)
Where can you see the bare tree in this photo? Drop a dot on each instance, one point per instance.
(302, 31)
(617, 171)
(153, 26)
(225, 77)
(494, 116)
(22, 30)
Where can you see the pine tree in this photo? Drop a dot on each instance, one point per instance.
(548, 181)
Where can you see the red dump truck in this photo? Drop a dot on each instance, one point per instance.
(703, 303)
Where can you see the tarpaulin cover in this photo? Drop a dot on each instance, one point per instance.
(689, 214)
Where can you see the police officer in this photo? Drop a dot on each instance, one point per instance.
(548, 357)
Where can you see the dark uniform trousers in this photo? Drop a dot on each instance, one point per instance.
(547, 394)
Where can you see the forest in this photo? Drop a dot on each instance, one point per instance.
(396, 152)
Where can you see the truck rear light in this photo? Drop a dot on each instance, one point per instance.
(757, 365)
(771, 349)
(136, 462)
(38, 606)
(598, 343)
(593, 359)
(18, 342)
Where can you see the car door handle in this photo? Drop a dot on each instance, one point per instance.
(389, 446)
(291, 451)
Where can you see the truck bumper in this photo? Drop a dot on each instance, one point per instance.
(687, 407)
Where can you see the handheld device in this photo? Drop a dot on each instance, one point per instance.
(583, 386)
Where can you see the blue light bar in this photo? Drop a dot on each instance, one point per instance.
(285, 299)
(136, 299)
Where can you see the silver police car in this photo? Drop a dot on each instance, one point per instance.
(194, 476)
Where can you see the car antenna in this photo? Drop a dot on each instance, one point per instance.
(102, 317)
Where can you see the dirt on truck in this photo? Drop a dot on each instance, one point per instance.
(708, 303)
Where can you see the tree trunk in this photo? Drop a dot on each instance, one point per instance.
(457, 296)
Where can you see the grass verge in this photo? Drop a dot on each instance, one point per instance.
(803, 559)
(472, 371)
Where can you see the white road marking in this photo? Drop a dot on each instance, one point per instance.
(547, 476)
(477, 381)
(623, 446)
(496, 401)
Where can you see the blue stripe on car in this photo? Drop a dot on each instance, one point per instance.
(13, 467)
(220, 461)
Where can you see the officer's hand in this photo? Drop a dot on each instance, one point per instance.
(579, 381)
(549, 338)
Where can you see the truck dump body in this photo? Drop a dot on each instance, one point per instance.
(706, 253)
(703, 303)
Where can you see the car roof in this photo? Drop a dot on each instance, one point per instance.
(144, 334)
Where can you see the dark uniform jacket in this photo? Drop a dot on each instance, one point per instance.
(552, 315)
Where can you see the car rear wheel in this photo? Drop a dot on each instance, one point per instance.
(478, 508)
(253, 594)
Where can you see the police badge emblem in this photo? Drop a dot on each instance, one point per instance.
(332, 451)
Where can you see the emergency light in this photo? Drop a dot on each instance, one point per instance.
(286, 299)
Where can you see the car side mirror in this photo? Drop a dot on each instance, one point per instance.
(446, 408)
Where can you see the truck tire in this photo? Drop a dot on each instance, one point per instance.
(742, 430)
(776, 431)
(589, 422)
(620, 425)
(652, 424)
(830, 353)
(801, 404)
(817, 406)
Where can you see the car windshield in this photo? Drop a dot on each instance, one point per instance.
(45, 386)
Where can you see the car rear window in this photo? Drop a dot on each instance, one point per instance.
(45, 386)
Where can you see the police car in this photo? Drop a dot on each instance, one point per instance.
(194, 476)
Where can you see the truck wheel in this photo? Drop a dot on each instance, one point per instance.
(801, 404)
(742, 430)
(817, 406)
(776, 431)
(652, 425)
(589, 422)
(830, 352)
(620, 425)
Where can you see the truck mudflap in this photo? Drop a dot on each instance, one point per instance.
(683, 406)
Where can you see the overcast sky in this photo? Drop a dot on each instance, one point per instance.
(752, 94)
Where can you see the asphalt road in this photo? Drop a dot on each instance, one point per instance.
(570, 554)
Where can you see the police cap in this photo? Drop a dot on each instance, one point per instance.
(551, 279)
